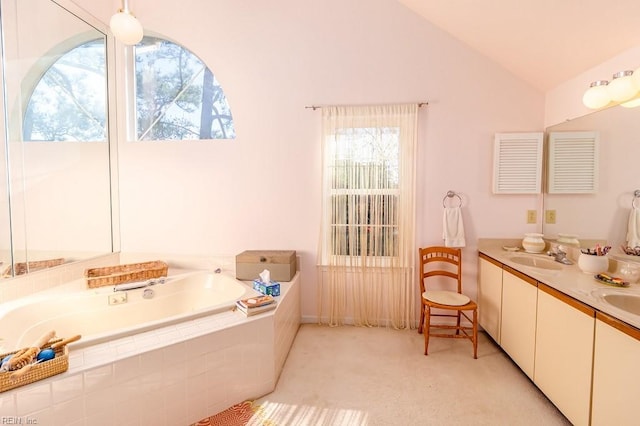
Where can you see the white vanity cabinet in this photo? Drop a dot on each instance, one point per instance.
(616, 373)
(564, 353)
(490, 295)
(586, 362)
(518, 321)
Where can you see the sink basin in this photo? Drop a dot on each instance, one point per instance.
(536, 262)
(627, 302)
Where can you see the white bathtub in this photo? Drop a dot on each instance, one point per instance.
(175, 371)
(88, 311)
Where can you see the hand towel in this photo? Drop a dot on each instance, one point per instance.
(633, 229)
(452, 227)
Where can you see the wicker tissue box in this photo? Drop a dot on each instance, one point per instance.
(271, 289)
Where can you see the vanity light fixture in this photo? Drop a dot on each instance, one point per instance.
(624, 89)
(125, 27)
(597, 95)
(621, 87)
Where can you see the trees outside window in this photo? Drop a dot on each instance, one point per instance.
(69, 101)
(177, 96)
(367, 241)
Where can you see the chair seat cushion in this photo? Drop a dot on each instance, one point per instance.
(446, 297)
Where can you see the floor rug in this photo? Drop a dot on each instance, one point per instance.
(237, 415)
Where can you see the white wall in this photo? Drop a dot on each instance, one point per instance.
(262, 190)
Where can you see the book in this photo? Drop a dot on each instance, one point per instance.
(257, 301)
(253, 310)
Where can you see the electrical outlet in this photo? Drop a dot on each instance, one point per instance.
(550, 216)
(531, 216)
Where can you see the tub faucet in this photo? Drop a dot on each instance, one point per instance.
(560, 256)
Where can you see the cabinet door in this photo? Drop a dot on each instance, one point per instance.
(518, 328)
(616, 381)
(490, 296)
(564, 353)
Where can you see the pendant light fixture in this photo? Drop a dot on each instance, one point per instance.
(125, 27)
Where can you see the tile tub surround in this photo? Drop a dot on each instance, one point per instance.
(569, 280)
(177, 374)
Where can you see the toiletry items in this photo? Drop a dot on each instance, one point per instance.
(598, 250)
(593, 264)
(631, 251)
(533, 243)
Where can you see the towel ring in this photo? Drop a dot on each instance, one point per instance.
(636, 197)
(451, 194)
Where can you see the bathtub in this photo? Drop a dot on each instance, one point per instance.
(200, 359)
(103, 314)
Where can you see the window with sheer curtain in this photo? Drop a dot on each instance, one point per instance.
(368, 220)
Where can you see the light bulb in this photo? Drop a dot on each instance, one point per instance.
(621, 87)
(634, 103)
(126, 28)
(596, 95)
(636, 79)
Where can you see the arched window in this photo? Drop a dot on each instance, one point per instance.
(177, 96)
(69, 101)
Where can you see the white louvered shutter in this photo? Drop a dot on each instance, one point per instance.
(517, 163)
(573, 163)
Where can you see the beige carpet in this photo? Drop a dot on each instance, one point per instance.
(376, 376)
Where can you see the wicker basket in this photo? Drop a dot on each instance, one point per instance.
(120, 274)
(39, 371)
(22, 268)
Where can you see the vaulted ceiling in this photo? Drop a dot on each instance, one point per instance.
(544, 42)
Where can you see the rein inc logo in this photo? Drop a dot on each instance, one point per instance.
(17, 420)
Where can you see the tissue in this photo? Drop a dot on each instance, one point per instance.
(265, 286)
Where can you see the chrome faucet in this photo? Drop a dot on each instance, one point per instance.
(560, 256)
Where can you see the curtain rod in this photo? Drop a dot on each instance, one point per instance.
(315, 107)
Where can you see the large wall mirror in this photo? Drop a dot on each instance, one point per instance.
(604, 214)
(57, 177)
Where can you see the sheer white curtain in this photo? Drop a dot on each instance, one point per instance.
(367, 244)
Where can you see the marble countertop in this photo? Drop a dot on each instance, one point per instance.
(569, 279)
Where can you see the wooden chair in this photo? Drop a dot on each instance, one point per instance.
(446, 262)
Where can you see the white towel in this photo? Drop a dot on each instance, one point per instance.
(452, 227)
(633, 229)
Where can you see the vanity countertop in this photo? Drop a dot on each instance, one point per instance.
(568, 279)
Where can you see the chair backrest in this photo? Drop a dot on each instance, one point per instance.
(440, 261)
